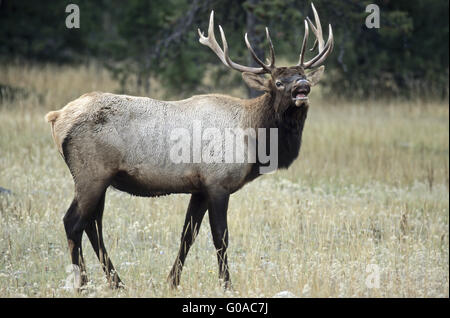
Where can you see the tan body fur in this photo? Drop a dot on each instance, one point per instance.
(127, 134)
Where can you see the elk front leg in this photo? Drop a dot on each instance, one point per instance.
(194, 216)
(217, 207)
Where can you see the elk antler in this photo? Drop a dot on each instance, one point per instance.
(324, 50)
(211, 42)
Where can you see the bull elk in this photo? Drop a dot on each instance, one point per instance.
(123, 141)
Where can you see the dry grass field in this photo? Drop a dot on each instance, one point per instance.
(369, 190)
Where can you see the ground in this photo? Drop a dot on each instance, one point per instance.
(367, 196)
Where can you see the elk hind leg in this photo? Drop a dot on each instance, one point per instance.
(94, 231)
(74, 226)
(76, 219)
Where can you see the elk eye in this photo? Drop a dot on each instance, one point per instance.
(278, 84)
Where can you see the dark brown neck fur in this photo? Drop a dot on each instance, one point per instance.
(290, 125)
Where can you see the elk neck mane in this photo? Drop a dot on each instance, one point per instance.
(290, 122)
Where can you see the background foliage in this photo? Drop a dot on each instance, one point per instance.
(371, 185)
(142, 39)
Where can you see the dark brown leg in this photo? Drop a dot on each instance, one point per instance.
(95, 234)
(217, 207)
(74, 225)
(194, 216)
(79, 215)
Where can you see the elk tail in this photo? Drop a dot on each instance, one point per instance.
(51, 117)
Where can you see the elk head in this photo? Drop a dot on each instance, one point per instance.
(289, 86)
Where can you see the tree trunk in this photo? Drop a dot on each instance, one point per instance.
(256, 39)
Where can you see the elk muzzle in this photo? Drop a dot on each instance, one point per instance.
(300, 92)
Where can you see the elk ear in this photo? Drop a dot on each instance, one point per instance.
(314, 76)
(255, 81)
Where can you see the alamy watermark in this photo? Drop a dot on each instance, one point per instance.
(373, 277)
(373, 19)
(73, 280)
(73, 18)
(228, 145)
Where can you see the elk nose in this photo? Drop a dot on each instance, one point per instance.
(303, 86)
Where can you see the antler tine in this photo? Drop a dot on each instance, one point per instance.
(272, 50)
(305, 40)
(315, 32)
(211, 42)
(318, 28)
(324, 49)
(328, 52)
(236, 66)
(318, 59)
(314, 46)
(255, 57)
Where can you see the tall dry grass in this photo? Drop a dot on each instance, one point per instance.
(370, 187)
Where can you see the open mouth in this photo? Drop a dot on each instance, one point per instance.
(300, 96)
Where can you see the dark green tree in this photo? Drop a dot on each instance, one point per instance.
(141, 39)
